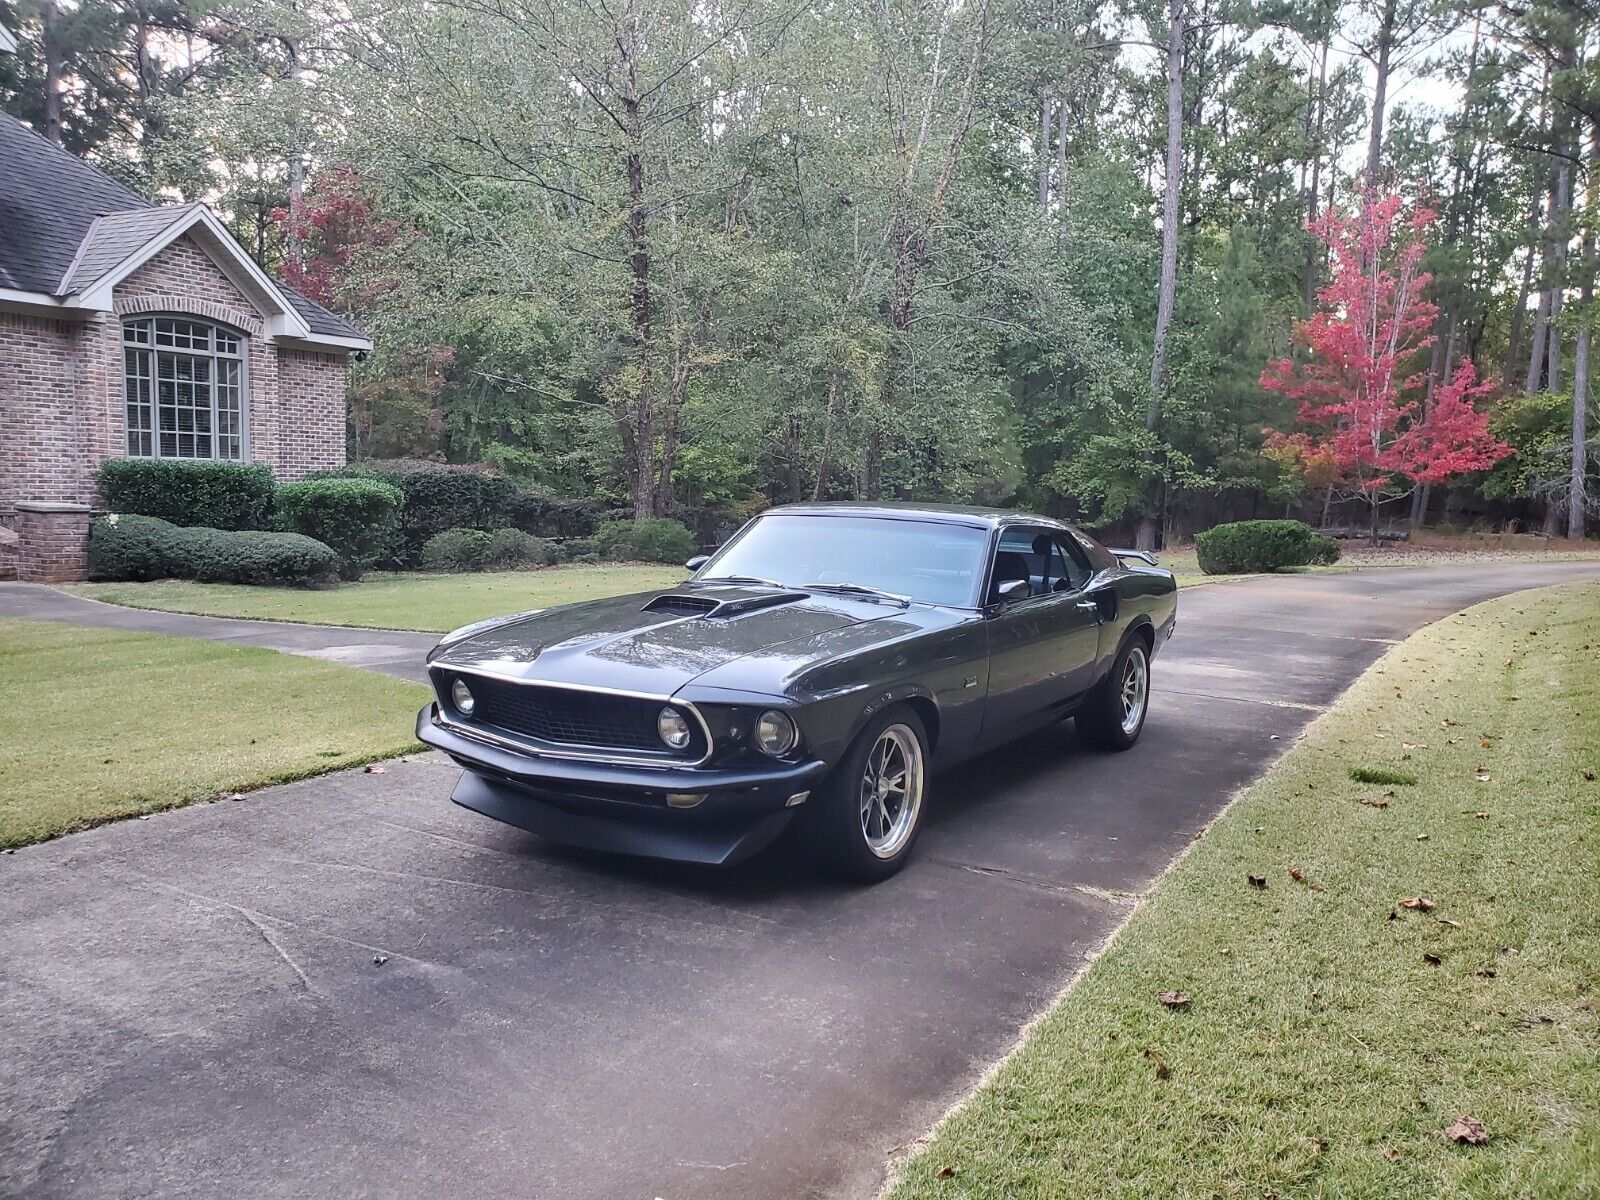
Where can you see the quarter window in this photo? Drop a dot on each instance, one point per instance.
(183, 382)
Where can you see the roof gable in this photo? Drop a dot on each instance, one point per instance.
(69, 233)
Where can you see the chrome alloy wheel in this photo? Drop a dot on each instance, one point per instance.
(1135, 690)
(891, 790)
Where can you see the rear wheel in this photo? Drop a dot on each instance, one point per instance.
(1112, 715)
(868, 813)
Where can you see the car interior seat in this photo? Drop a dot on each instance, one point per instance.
(1009, 566)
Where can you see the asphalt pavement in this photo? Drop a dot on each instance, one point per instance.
(348, 987)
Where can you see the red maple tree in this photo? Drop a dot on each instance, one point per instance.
(1358, 387)
(336, 226)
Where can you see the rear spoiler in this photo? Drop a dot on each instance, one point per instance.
(1142, 555)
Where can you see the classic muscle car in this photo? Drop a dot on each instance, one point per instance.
(817, 670)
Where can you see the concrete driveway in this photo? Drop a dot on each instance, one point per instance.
(348, 987)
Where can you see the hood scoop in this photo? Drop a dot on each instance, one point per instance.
(690, 604)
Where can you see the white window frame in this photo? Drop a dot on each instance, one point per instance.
(151, 338)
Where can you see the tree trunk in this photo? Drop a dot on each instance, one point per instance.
(1541, 322)
(1380, 93)
(835, 391)
(1577, 487)
(1560, 212)
(1041, 153)
(55, 69)
(1145, 538)
(638, 384)
(1314, 250)
(294, 235)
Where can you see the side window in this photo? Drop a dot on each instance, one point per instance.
(1076, 569)
(1049, 561)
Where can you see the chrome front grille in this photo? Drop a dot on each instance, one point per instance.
(568, 717)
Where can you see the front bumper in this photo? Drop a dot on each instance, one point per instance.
(624, 809)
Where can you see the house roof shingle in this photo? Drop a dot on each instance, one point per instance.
(54, 205)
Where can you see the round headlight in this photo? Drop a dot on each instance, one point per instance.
(461, 697)
(672, 728)
(776, 733)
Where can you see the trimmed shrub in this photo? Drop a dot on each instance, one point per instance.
(439, 498)
(129, 546)
(555, 516)
(1247, 547)
(658, 539)
(581, 550)
(456, 550)
(216, 495)
(359, 519)
(511, 548)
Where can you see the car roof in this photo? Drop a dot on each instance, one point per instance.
(912, 510)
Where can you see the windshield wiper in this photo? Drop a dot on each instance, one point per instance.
(859, 589)
(742, 579)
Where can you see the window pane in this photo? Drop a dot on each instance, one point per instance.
(136, 391)
(182, 401)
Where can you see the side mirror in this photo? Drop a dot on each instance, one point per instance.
(698, 561)
(1013, 589)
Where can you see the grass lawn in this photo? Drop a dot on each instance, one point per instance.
(395, 601)
(1332, 1033)
(100, 724)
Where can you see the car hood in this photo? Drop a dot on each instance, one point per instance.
(656, 642)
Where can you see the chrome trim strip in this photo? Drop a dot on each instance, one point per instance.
(575, 754)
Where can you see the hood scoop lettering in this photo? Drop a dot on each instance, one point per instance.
(690, 604)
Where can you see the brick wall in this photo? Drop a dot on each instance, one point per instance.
(52, 542)
(61, 385)
(42, 434)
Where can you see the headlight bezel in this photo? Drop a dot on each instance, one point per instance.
(664, 719)
(775, 719)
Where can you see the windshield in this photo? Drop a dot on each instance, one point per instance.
(919, 560)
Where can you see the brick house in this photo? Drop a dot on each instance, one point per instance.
(134, 329)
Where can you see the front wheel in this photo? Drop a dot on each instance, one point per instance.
(869, 811)
(1112, 715)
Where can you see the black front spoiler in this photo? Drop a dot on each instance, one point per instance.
(651, 834)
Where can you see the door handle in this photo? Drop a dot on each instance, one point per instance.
(1088, 605)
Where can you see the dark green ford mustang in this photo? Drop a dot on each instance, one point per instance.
(815, 671)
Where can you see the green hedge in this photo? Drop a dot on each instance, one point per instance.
(359, 519)
(555, 516)
(1248, 547)
(217, 495)
(658, 539)
(439, 498)
(456, 550)
(129, 546)
(511, 548)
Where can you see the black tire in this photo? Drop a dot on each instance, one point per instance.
(836, 828)
(1104, 720)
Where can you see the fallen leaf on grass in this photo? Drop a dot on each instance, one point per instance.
(1415, 745)
(1433, 960)
(1257, 881)
(1483, 777)
(379, 959)
(1299, 876)
(1421, 902)
(1449, 922)
(1371, 803)
(1588, 776)
(1447, 722)
(1483, 816)
(1422, 837)
(1163, 1070)
(374, 769)
(1469, 1130)
(1174, 999)
(1391, 1154)
(1487, 973)
(946, 1172)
